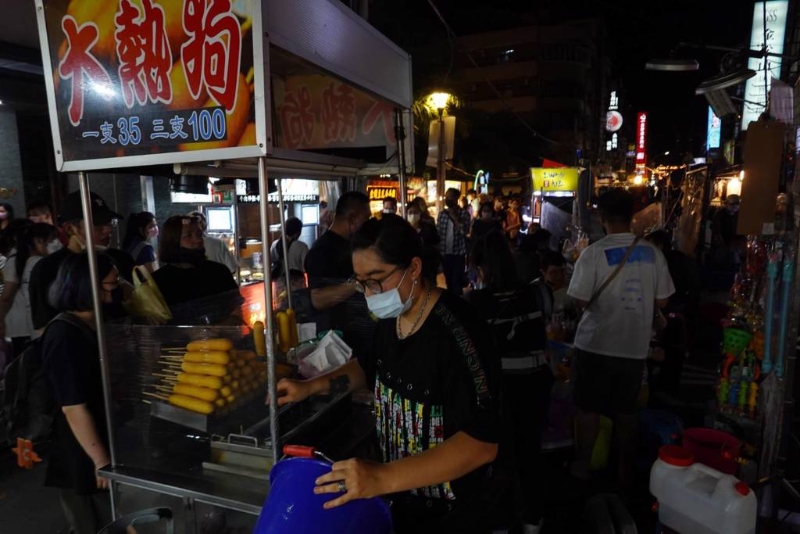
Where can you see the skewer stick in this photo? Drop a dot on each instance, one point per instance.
(146, 401)
(171, 358)
(164, 388)
(156, 395)
(164, 376)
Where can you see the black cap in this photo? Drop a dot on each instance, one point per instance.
(72, 210)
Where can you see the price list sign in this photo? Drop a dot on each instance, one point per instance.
(143, 82)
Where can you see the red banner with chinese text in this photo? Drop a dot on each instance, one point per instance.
(317, 111)
(149, 78)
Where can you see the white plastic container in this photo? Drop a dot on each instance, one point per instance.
(696, 499)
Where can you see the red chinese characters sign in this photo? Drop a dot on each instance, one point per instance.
(150, 78)
(317, 111)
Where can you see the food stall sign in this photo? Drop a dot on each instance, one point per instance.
(641, 138)
(143, 82)
(549, 180)
(377, 190)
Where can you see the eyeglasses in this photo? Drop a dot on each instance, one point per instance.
(375, 286)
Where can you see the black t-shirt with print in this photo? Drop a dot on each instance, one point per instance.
(430, 386)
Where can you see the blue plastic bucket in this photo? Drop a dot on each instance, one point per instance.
(293, 507)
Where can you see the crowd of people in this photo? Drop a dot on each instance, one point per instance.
(460, 374)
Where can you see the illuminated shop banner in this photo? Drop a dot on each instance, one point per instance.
(757, 87)
(138, 82)
(377, 190)
(563, 179)
(641, 138)
(714, 130)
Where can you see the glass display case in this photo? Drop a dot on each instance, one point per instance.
(216, 447)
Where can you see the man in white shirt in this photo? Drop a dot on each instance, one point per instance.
(216, 249)
(613, 336)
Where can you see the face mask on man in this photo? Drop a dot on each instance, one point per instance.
(388, 305)
(413, 218)
(82, 243)
(54, 246)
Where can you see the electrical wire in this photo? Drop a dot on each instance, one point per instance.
(494, 89)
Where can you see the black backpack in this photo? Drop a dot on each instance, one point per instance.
(28, 408)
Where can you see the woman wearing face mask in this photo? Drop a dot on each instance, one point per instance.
(435, 399)
(71, 359)
(514, 311)
(425, 215)
(141, 228)
(486, 222)
(426, 231)
(186, 275)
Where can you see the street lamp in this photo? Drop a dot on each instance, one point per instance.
(438, 101)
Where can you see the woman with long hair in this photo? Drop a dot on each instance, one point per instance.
(71, 357)
(435, 397)
(425, 214)
(141, 228)
(426, 231)
(514, 311)
(186, 275)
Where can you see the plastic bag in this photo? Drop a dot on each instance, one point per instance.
(146, 300)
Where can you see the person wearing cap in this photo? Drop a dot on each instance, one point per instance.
(46, 271)
(216, 249)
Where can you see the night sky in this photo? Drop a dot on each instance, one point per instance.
(638, 30)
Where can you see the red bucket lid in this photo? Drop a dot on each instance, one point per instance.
(675, 455)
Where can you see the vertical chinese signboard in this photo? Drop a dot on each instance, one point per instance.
(141, 82)
(773, 28)
(641, 139)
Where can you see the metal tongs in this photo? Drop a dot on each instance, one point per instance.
(302, 451)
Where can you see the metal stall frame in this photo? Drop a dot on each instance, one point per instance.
(331, 37)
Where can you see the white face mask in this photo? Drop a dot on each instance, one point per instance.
(54, 246)
(413, 218)
(388, 305)
(389, 211)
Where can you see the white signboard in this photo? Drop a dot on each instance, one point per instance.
(757, 88)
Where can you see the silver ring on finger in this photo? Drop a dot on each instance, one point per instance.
(342, 487)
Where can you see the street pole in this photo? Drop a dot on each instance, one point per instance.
(440, 173)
